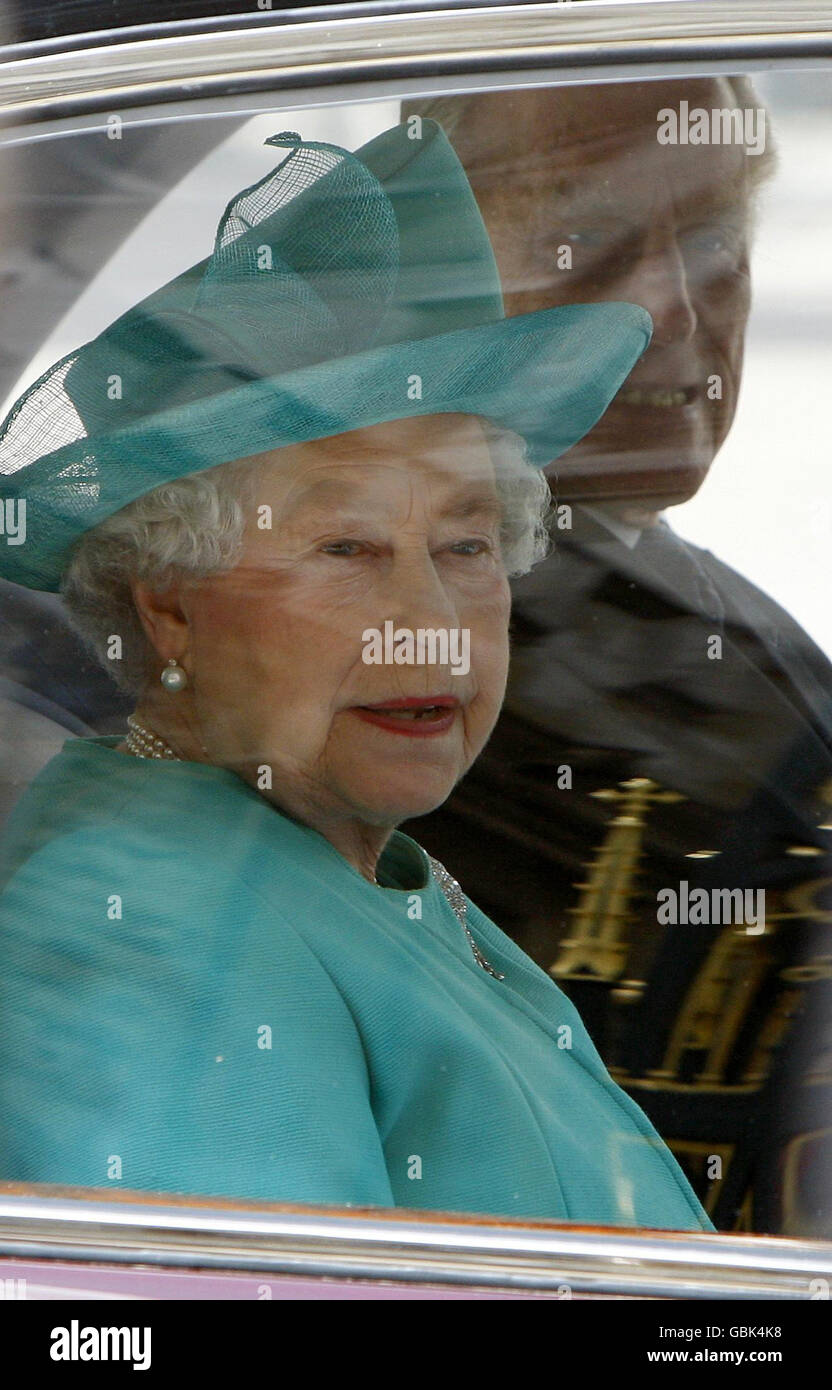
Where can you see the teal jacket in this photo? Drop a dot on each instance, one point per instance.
(200, 995)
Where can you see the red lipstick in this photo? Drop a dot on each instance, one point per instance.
(413, 716)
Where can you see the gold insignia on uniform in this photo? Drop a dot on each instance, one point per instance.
(596, 949)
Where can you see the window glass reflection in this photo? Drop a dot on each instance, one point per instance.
(414, 566)
(661, 767)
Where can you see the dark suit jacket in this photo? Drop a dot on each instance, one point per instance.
(42, 655)
(616, 675)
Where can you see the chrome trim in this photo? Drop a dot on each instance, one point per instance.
(290, 53)
(408, 1246)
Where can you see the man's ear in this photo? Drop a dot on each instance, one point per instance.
(163, 619)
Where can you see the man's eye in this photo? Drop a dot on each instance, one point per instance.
(713, 241)
(604, 252)
(590, 237)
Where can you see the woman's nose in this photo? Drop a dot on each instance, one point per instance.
(416, 594)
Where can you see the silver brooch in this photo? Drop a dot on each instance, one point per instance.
(456, 899)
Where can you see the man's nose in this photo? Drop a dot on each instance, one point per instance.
(660, 283)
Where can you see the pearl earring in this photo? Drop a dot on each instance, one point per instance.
(173, 677)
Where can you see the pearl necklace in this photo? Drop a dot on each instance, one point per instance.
(142, 743)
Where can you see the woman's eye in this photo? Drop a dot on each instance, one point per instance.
(342, 548)
(473, 547)
(346, 549)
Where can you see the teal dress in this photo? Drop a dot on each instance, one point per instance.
(200, 995)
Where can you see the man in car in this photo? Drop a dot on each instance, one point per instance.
(665, 752)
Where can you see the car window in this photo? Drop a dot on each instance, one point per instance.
(467, 849)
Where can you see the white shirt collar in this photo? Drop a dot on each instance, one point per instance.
(628, 535)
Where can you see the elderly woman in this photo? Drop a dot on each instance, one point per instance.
(282, 498)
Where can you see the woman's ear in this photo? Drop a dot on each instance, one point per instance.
(163, 619)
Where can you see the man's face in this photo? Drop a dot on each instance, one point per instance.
(664, 226)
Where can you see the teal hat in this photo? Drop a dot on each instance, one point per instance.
(343, 290)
